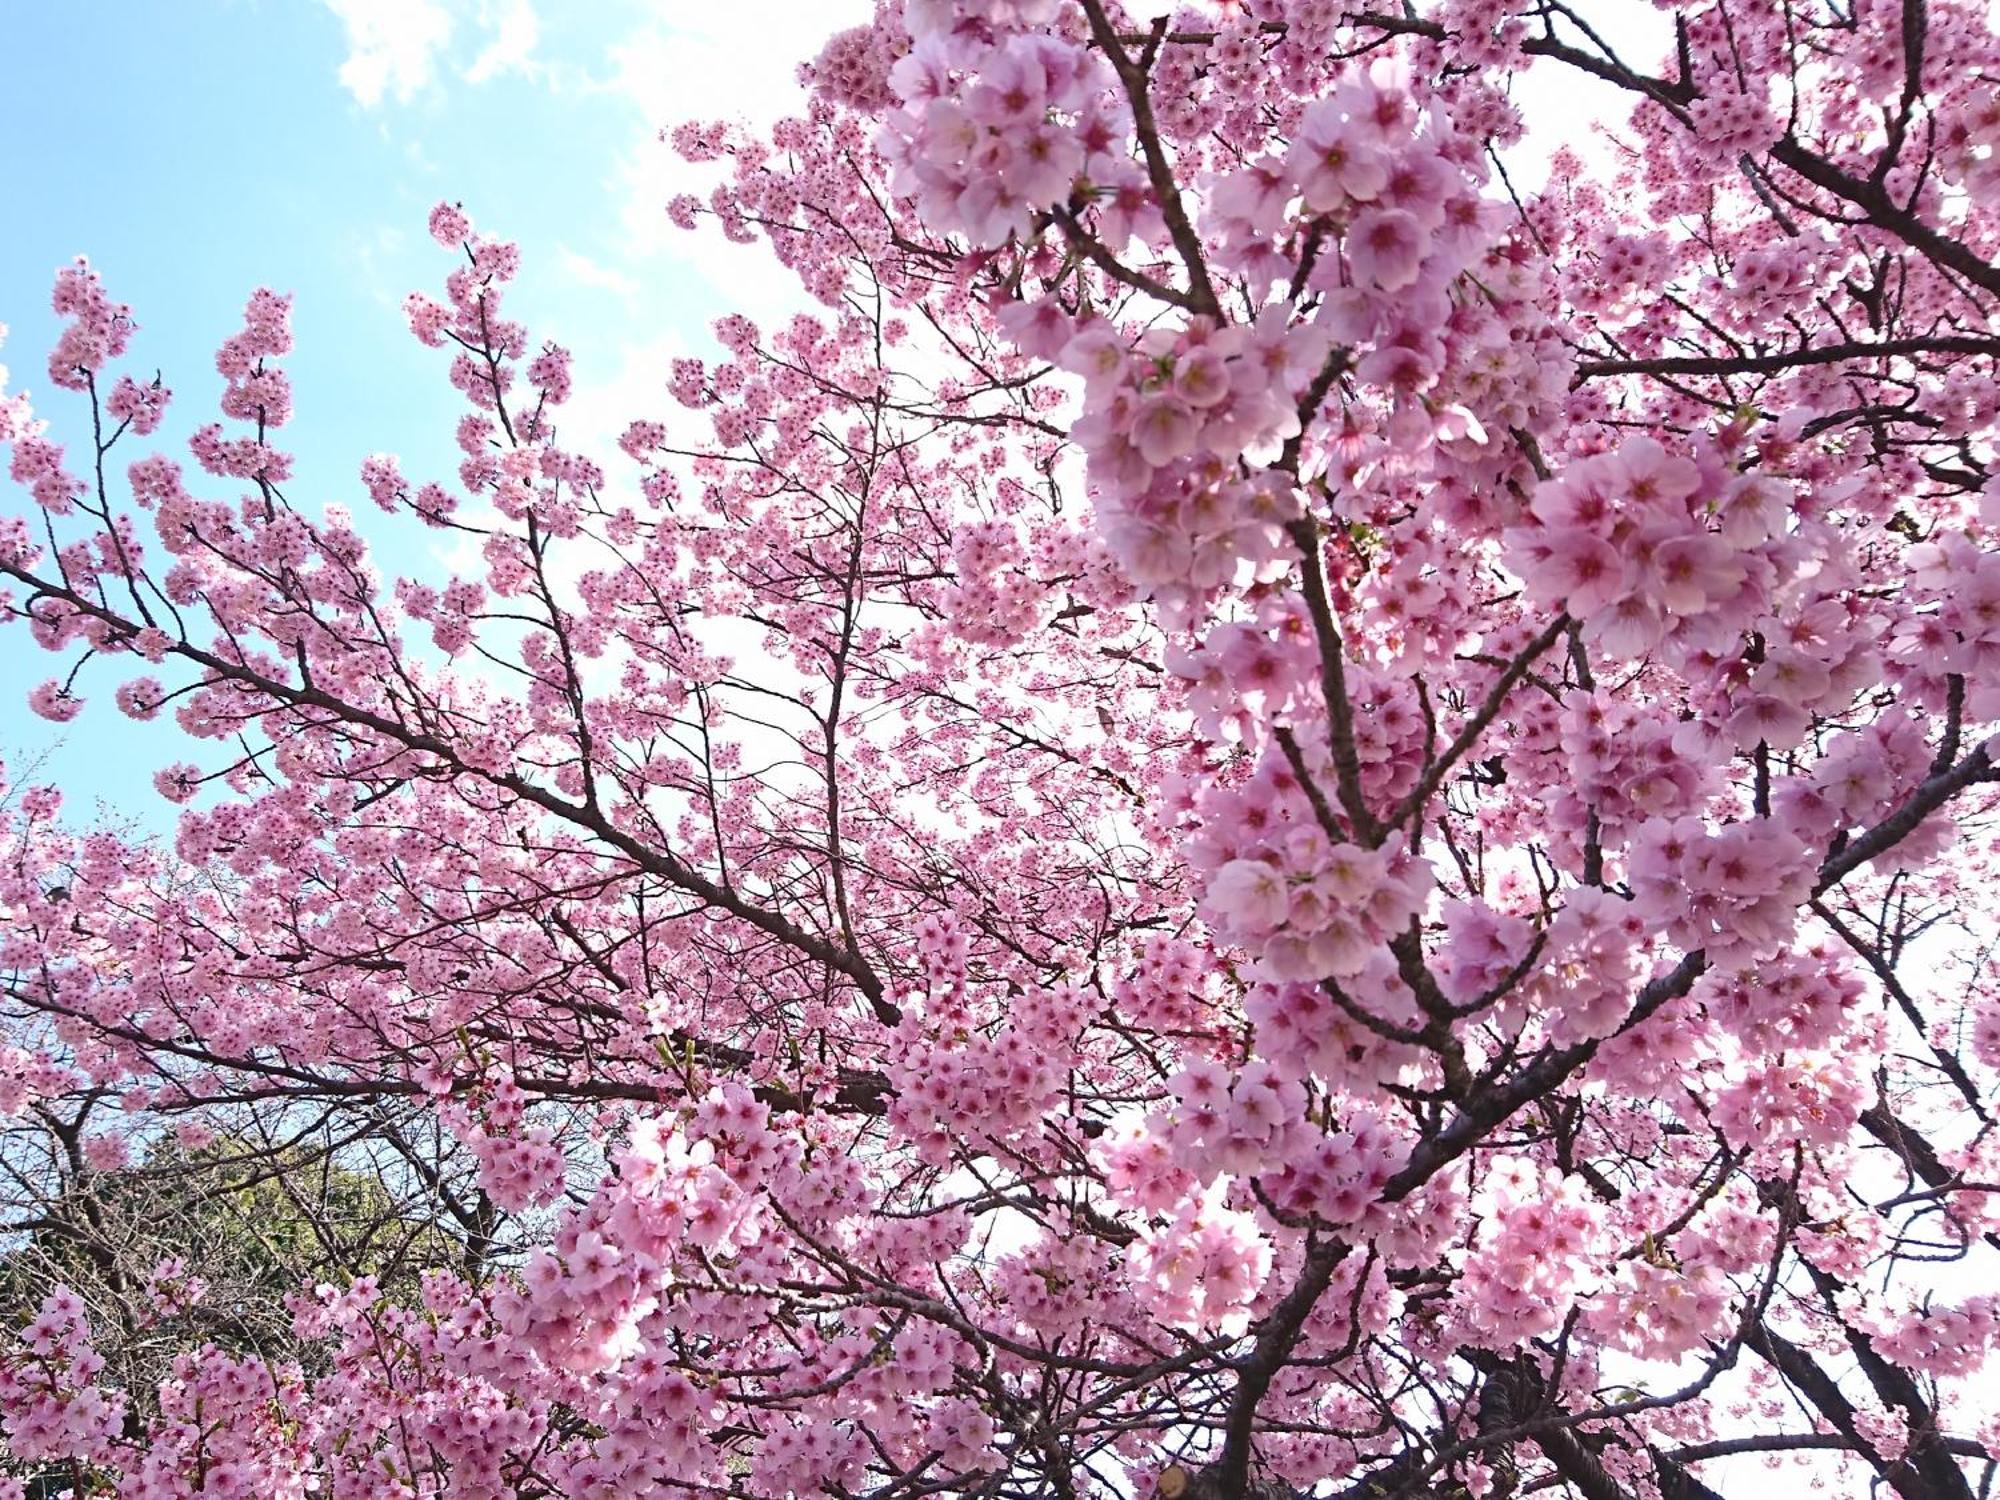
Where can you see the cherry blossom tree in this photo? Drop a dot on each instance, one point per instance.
(1268, 817)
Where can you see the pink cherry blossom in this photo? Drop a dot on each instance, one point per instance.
(1290, 798)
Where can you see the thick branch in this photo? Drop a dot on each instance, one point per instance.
(1766, 364)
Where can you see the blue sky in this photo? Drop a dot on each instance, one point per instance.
(197, 149)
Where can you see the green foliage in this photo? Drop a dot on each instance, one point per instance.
(253, 1222)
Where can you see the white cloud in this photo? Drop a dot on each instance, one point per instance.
(697, 66)
(395, 47)
(392, 46)
(1585, 114)
(378, 255)
(582, 270)
(608, 397)
(516, 33)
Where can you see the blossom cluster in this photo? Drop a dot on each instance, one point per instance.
(1538, 1252)
(51, 1405)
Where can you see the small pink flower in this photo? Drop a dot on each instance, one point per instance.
(107, 1153)
(1385, 247)
(53, 701)
(449, 225)
(1163, 429)
(1250, 896)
